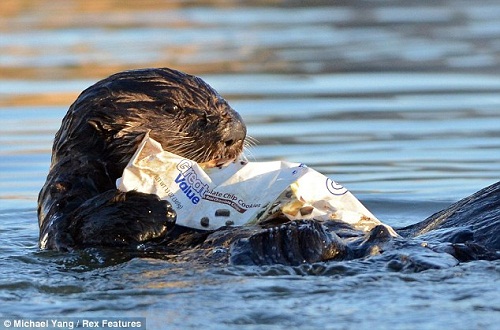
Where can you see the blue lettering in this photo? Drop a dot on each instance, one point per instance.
(189, 184)
(179, 179)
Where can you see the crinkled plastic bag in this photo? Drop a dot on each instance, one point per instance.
(241, 192)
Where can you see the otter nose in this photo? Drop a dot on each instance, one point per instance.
(235, 131)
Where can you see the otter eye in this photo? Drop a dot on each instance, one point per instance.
(169, 108)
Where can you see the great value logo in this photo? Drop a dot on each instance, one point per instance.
(189, 183)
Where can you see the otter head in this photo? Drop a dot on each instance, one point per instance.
(182, 112)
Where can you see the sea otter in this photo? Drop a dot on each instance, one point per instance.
(80, 207)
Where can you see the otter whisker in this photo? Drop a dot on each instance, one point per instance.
(248, 153)
(177, 135)
(206, 155)
(248, 145)
(193, 153)
(184, 153)
(250, 141)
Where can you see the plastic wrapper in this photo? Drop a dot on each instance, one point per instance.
(241, 193)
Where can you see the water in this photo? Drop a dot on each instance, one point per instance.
(397, 100)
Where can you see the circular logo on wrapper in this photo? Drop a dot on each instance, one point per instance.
(334, 188)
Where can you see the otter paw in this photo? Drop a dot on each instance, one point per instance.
(293, 243)
(121, 219)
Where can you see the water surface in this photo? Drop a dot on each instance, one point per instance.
(398, 101)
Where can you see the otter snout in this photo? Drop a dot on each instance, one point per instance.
(235, 132)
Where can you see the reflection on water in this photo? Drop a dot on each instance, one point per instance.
(397, 100)
(94, 38)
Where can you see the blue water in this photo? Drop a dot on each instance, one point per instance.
(399, 101)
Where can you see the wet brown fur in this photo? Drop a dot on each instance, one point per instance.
(79, 204)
